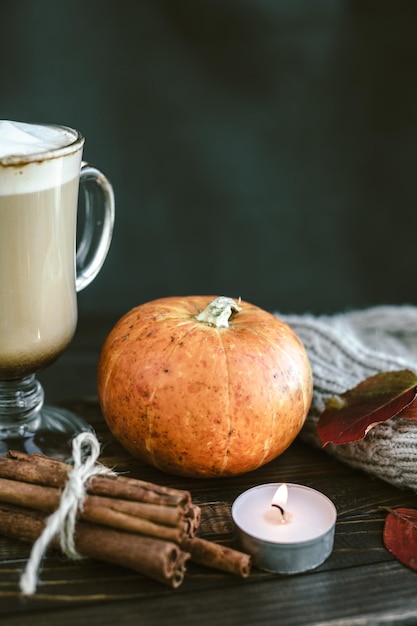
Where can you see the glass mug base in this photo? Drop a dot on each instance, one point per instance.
(27, 425)
(52, 436)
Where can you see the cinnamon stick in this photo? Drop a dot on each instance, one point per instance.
(164, 503)
(217, 556)
(167, 523)
(47, 471)
(39, 469)
(161, 560)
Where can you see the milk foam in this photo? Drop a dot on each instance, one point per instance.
(21, 139)
(29, 161)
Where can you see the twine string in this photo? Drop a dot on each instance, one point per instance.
(85, 452)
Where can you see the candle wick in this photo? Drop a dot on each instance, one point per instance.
(277, 506)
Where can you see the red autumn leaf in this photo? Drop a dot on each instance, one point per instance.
(351, 415)
(400, 536)
(410, 411)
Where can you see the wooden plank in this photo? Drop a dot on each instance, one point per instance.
(378, 594)
(358, 542)
(359, 581)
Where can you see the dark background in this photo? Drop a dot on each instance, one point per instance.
(257, 148)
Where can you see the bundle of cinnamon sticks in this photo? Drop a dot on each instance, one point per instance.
(124, 521)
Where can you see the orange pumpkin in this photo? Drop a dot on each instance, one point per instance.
(201, 387)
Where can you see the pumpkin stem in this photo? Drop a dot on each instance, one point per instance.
(218, 312)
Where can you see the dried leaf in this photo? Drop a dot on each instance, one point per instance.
(400, 536)
(410, 411)
(350, 416)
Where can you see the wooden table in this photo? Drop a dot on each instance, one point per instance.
(360, 583)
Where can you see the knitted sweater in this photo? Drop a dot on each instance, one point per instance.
(346, 348)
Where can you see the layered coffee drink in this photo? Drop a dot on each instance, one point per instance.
(38, 207)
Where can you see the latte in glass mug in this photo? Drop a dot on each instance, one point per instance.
(39, 180)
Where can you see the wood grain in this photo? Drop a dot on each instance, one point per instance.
(360, 583)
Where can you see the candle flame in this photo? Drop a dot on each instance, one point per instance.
(281, 496)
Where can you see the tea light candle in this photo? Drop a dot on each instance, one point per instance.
(286, 529)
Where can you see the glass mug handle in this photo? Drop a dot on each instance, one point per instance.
(96, 229)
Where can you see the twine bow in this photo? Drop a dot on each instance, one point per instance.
(85, 452)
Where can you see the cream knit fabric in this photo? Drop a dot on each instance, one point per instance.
(345, 349)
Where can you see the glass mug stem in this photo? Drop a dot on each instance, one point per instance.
(20, 403)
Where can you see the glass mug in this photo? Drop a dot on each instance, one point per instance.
(42, 267)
